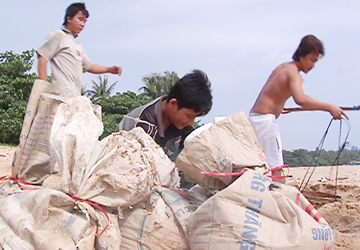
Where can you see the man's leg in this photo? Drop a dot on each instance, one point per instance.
(268, 134)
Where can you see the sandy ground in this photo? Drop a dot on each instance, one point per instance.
(340, 206)
(6, 157)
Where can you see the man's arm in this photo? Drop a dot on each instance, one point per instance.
(98, 69)
(42, 68)
(308, 102)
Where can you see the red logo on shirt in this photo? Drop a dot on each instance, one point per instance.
(78, 52)
(177, 140)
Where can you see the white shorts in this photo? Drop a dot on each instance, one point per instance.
(267, 131)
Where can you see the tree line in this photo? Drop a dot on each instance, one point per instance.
(303, 157)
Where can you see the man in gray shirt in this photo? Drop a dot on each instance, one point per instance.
(169, 119)
(67, 56)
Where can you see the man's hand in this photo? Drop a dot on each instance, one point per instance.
(115, 70)
(337, 112)
(285, 111)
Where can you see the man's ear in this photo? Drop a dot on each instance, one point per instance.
(67, 20)
(173, 104)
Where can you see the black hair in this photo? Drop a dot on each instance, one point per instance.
(193, 91)
(73, 9)
(307, 45)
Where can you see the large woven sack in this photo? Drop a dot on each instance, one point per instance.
(34, 158)
(45, 219)
(152, 225)
(229, 145)
(121, 170)
(256, 213)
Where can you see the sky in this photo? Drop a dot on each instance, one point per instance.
(237, 43)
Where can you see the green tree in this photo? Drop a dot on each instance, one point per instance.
(157, 85)
(303, 157)
(100, 89)
(115, 107)
(15, 87)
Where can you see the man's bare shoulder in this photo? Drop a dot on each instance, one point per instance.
(285, 72)
(287, 68)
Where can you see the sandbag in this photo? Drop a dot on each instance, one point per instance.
(256, 213)
(45, 219)
(229, 145)
(153, 225)
(33, 158)
(36, 91)
(121, 170)
(162, 221)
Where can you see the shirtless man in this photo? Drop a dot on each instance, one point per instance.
(285, 81)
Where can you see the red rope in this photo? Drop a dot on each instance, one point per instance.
(277, 177)
(224, 174)
(22, 182)
(241, 173)
(18, 181)
(96, 206)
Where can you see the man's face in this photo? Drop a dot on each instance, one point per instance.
(77, 23)
(183, 117)
(308, 61)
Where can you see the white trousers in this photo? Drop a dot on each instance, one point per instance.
(267, 131)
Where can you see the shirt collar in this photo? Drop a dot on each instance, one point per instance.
(158, 115)
(63, 28)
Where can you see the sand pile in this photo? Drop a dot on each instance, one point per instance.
(339, 202)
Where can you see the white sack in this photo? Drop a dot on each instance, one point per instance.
(256, 213)
(34, 159)
(229, 145)
(119, 171)
(45, 219)
(151, 225)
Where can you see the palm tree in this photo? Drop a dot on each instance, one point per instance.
(152, 86)
(170, 79)
(157, 85)
(100, 89)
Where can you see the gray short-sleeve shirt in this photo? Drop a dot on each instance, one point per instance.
(68, 61)
(149, 117)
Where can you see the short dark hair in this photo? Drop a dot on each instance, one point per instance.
(307, 45)
(73, 9)
(193, 91)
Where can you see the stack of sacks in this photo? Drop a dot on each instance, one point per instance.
(114, 174)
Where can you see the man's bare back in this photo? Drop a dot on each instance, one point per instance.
(276, 90)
